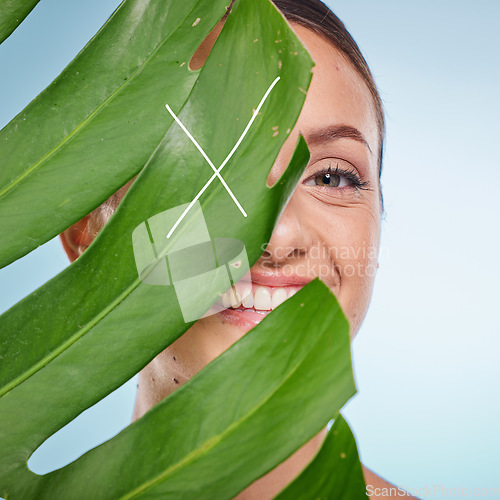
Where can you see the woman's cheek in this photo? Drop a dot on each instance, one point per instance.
(355, 238)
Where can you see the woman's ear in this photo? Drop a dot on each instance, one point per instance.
(76, 239)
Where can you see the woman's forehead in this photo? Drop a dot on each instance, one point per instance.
(337, 94)
(338, 108)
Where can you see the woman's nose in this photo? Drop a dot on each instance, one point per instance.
(289, 238)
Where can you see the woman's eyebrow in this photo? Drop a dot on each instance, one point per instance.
(332, 132)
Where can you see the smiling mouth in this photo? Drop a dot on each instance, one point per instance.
(246, 304)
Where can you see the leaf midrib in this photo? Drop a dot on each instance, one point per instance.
(69, 342)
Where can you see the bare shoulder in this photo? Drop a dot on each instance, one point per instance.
(376, 487)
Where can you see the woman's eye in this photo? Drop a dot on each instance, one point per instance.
(339, 174)
(328, 179)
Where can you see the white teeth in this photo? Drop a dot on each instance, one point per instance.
(247, 300)
(262, 299)
(234, 298)
(241, 295)
(279, 296)
(244, 287)
(225, 300)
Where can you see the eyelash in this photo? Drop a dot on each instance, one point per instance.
(350, 174)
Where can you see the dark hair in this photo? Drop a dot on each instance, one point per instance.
(316, 16)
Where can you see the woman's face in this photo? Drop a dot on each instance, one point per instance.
(329, 229)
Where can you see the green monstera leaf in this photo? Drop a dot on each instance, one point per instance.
(108, 117)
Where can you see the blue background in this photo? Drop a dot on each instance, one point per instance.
(426, 358)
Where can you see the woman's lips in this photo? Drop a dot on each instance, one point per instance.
(245, 319)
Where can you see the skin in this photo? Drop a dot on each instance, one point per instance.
(331, 232)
